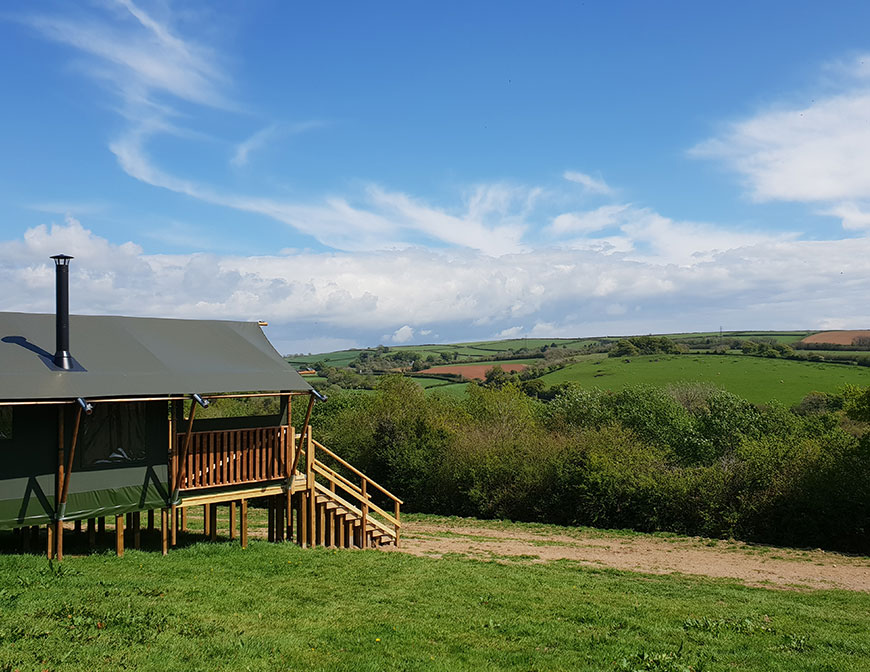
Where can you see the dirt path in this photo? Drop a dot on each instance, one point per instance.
(765, 566)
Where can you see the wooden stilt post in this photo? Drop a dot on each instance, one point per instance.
(128, 528)
(50, 540)
(58, 541)
(92, 532)
(101, 525)
(289, 515)
(212, 524)
(206, 519)
(137, 530)
(303, 519)
(270, 507)
(173, 525)
(77, 526)
(164, 530)
(184, 520)
(119, 536)
(300, 517)
(243, 521)
(150, 520)
(232, 520)
(321, 527)
(26, 534)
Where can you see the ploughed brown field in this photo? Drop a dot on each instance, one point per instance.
(477, 371)
(837, 337)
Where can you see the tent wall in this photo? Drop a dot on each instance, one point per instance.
(120, 462)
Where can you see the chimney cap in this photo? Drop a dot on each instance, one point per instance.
(62, 259)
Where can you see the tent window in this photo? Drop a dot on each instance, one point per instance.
(115, 434)
(5, 423)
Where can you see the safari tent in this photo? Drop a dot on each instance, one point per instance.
(108, 429)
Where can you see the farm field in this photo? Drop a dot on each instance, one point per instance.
(757, 379)
(276, 606)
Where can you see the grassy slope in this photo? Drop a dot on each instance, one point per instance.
(216, 606)
(755, 378)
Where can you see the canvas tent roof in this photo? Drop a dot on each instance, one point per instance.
(138, 356)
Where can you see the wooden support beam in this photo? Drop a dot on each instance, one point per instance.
(303, 519)
(289, 504)
(165, 520)
(270, 527)
(101, 525)
(182, 458)
(50, 547)
(212, 523)
(150, 520)
(184, 520)
(77, 526)
(58, 540)
(137, 530)
(173, 525)
(92, 533)
(243, 521)
(206, 520)
(232, 520)
(119, 536)
(321, 527)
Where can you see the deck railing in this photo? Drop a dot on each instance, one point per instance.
(236, 456)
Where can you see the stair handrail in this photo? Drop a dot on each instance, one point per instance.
(334, 476)
(356, 471)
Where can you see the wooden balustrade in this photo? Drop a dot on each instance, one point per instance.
(236, 456)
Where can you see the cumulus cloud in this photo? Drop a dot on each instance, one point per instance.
(590, 184)
(402, 334)
(310, 298)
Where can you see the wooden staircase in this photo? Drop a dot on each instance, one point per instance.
(341, 507)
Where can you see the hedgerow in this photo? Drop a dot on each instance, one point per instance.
(689, 459)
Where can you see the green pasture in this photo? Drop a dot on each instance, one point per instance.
(215, 606)
(757, 379)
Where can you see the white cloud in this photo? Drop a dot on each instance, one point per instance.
(852, 215)
(270, 134)
(586, 222)
(813, 152)
(590, 184)
(644, 235)
(310, 297)
(402, 334)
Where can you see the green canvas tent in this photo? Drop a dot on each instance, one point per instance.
(132, 373)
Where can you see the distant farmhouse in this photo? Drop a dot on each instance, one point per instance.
(107, 429)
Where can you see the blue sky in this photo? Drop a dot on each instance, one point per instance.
(405, 172)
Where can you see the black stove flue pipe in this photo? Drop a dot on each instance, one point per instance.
(62, 358)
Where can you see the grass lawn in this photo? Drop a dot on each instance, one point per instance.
(279, 607)
(754, 378)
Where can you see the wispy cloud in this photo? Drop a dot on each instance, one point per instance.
(590, 184)
(269, 134)
(814, 152)
(140, 56)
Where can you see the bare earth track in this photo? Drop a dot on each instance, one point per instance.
(763, 566)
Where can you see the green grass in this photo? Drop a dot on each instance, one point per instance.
(277, 607)
(755, 378)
